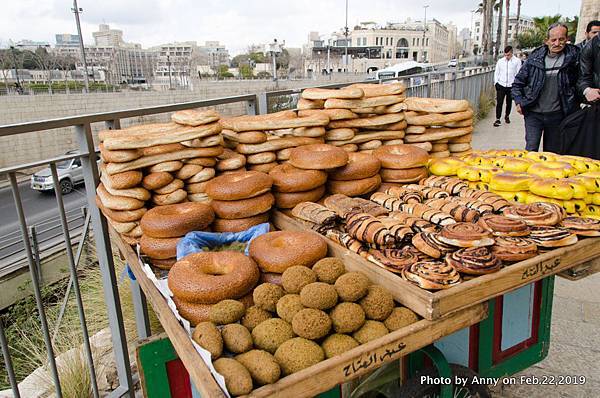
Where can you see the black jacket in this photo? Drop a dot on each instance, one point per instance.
(529, 82)
(589, 60)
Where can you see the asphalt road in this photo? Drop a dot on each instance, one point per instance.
(41, 211)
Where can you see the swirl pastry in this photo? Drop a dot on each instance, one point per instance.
(583, 226)
(452, 185)
(463, 234)
(431, 275)
(394, 260)
(389, 202)
(539, 213)
(315, 213)
(345, 240)
(417, 224)
(477, 205)
(545, 236)
(459, 211)
(405, 195)
(428, 192)
(343, 205)
(514, 248)
(474, 261)
(430, 244)
(369, 229)
(428, 213)
(499, 225)
(401, 232)
(496, 201)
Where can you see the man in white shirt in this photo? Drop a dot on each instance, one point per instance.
(507, 68)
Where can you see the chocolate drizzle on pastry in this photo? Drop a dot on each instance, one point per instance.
(431, 275)
(514, 248)
(428, 213)
(428, 192)
(503, 226)
(457, 210)
(583, 226)
(545, 236)
(417, 224)
(389, 202)
(315, 213)
(430, 244)
(367, 228)
(464, 234)
(345, 240)
(452, 185)
(474, 261)
(405, 195)
(394, 260)
(496, 201)
(343, 205)
(539, 213)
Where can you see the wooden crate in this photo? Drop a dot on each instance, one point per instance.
(320, 377)
(436, 304)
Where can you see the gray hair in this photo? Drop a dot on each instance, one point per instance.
(556, 25)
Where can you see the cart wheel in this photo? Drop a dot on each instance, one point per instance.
(414, 389)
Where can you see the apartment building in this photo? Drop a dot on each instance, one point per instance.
(525, 24)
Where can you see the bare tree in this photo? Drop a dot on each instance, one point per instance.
(65, 62)
(5, 65)
(46, 62)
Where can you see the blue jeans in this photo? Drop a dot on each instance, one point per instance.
(546, 124)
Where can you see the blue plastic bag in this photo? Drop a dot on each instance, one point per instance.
(193, 242)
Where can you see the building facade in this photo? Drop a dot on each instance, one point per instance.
(175, 63)
(525, 24)
(590, 10)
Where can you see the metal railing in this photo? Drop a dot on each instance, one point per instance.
(256, 103)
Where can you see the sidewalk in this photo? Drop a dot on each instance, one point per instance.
(574, 338)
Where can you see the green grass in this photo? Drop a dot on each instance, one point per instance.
(487, 100)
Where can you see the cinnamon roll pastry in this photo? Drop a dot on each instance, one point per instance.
(342, 205)
(420, 255)
(458, 211)
(402, 233)
(389, 202)
(474, 261)
(345, 240)
(496, 201)
(463, 234)
(539, 213)
(499, 225)
(514, 248)
(452, 185)
(405, 195)
(550, 237)
(582, 226)
(428, 192)
(315, 213)
(393, 260)
(417, 224)
(475, 204)
(428, 213)
(430, 244)
(431, 275)
(369, 229)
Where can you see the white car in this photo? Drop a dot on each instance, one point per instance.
(453, 63)
(70, 173)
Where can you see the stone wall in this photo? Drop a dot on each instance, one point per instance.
(590, 10)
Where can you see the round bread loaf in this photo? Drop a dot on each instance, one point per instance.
(318, 157)
(236, 186)
(243, 208)
(173, 221)
(287, 178)
(360, 165)
(401, 156)
(279, 250)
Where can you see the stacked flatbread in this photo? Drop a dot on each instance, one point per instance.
(446, 124)
(156, 164)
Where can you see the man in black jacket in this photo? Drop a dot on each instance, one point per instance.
(544, 89)
(591, 30)
(589, 76)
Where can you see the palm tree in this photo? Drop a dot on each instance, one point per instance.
(498, 6)
(518, 17)
(542, 24)
(506, 22)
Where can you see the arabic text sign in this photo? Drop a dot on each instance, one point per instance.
(370, 360)
(541, 268)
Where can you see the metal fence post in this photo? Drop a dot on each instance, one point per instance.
(36, 252)
(105, 258)
(261, 101)
(140, 307)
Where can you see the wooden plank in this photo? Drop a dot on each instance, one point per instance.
(581, 271)
(199, 372)
(367, 357)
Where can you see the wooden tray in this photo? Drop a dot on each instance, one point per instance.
(433, 305)
(318, 378)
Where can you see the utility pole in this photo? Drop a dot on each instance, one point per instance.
(77, 10)
(12, 50)
(169, 66)
(424, 32)
(346, 35)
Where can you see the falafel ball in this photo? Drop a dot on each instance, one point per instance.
(262, 366)
(399, 318)
(226, 311)
(207, 336)
(266, 296)
(311, 323)
(347, 317)
(296, 277)
(237, 378)
(288, 306)
(328, 269)
(371, 330)
(318, 295)
(255, 315)
(352, 286)
(378, 303)
(236, 338)
(297, 354)
(337, 344)
(271, 333)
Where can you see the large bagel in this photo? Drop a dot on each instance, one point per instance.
(172, 165)
(188, 170)
(170, 187)
(289, 200)
(261, 158)
(157, 180)
(160, 149)
(243, 208)
(138, 193)
(239, 224)
(159, 248)
(318, 157)
(174, 197)
(209, 277)
(127, 179)
(123, 215)
(401, 156)
(176, 220)
(263, 168)
(118, 156)
(287, 178)
(436, 105)
(117, 202)
(206, 162)
(360, 165)
(277, 251)
(354, 187)
(404, 175)
(241, 185)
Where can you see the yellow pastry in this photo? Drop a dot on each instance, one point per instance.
(591, 209)
(533, 198)
(541, 156)
(579, 189)
(552, 188)
(552, 169)
(574, 206)
(518, 165)
(591, 184)
(445, 166)
(513, 182)
(579, 163)
(519, 196)
(596, 198)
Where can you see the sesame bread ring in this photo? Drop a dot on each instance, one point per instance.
(170, 187)
(404, 175)
(157, 180)
(172, 198)
(360, 165)
(401, 156)
(287, 178)
(243, 208)
(159, 248)
(239, 224)
(173, 221)
(209, 277)
(279, 250)
(318, 157)
(355, 187)
(263, 168)
(236, 186)
(289, 200)
(163, 264)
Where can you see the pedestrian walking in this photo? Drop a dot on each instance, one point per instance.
(544, 90)
(507, 68)
(589, 75)
(591, 30)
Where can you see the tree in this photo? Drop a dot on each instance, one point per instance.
(44, 61)
(530, 39)
(498, 6)
(506, 22)
(541, 24)
(5, 65)
(246, 71)
(66, 63)
(572, 24)
(518, 17)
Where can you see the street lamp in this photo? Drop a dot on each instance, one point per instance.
(274, 49)
(77, 10)
(424, 32)
(346, 42)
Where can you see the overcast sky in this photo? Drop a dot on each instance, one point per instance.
(236, 23)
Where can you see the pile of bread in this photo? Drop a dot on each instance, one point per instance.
(155, 165)
(446, 124)
(527, 177)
